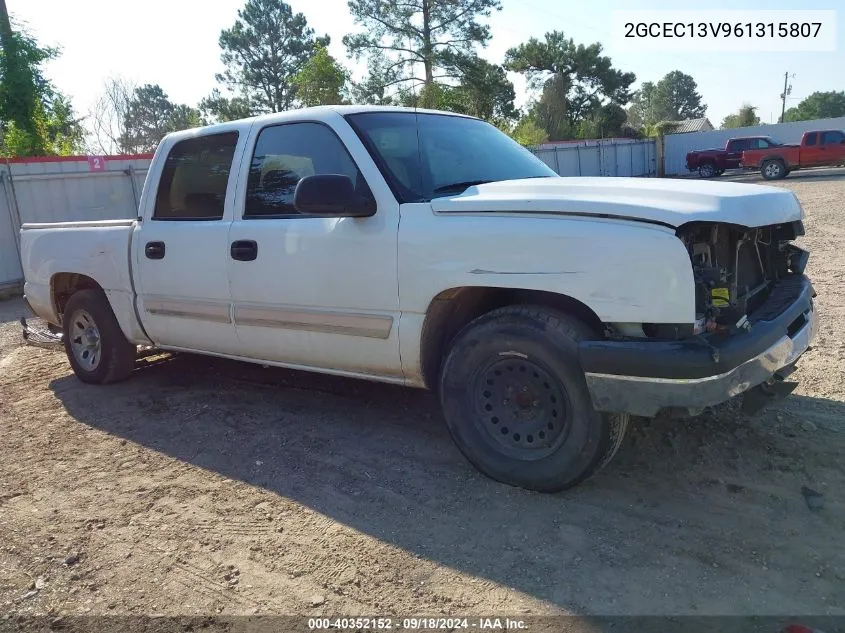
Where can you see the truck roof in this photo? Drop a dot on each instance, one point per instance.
(316, 113)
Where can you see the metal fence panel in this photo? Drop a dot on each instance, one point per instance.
(612, 157)
(10, 260)
(64, 191)
(676, 146)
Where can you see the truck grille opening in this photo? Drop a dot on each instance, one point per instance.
(736, 269)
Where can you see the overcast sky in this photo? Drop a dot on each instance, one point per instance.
(174, 43)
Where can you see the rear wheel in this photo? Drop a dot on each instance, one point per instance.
(95, 345)
(516, 401)
(707, 170)
(773, 170)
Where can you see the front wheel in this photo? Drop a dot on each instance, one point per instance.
(95, 345)
(773, 170)
(516, 400)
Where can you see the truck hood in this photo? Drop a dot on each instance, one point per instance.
(668, 202)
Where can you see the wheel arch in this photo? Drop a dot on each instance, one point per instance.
(451, 310)
(64, 284)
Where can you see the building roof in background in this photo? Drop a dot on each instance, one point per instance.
(691, 125)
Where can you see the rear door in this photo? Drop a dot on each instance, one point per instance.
(181, 247)
(832, 147)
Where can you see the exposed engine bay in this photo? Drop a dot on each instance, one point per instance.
(735, 269)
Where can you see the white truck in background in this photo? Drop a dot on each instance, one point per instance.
(430, 250)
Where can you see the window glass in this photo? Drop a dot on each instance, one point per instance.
(427, 155)
(829, 138)
(759, 143)
(194, 178)
(284, 155)
(811, 139)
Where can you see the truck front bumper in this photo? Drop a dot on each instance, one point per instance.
(644, 377)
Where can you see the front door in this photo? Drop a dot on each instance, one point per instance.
(181, 248)
(317, 292)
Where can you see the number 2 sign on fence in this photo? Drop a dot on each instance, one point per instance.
(96, 163)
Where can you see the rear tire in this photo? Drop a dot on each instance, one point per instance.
(707, 170)
(94, 343)
(516, 400)
(773, 170)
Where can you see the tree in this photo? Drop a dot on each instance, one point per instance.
(576, 80)
(150, 116)
(264, 50)
(322, 80)
(643, 110)
(485, 90)
(676, 98)
(819, 105)
(746, 117)
(108, 117)
(217, 108)
(526, 132)
(606, 122)
(437, 35)
(35, 119)
(21, 85)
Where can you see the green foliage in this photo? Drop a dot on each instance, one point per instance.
(746, 117)
(150, 116)
(485, 90)
(399, 37)
(576, 81)
(322, 80)
(673, 98)
(676, 98)
(35, 119)
(217, 109)
(264, 51)
(526, 131)
(819, 105)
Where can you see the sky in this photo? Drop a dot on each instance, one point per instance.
(174, 43)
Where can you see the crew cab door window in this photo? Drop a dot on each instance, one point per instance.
(832, 138)
(284, 155)
(810, 139)
(195, 177)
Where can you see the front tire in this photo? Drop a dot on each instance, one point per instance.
(516, 400)
(95, 345)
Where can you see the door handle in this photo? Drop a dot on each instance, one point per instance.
(244, 250)
(154, 250)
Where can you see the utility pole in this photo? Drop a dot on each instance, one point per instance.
(787, 90)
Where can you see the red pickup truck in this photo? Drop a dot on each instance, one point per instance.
(714, 162)
(817, 149)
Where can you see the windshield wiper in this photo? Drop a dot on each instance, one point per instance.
(456, 186)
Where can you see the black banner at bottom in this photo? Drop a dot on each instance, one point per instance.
(19, 623)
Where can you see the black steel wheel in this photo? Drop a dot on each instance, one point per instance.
(516, 401)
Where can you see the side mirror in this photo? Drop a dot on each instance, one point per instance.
(331, 195)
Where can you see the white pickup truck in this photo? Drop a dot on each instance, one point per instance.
(430, 250)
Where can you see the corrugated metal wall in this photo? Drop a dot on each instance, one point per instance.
(676, 146)
(63, 191)
(611, 157)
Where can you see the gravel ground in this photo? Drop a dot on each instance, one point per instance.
(211, 487)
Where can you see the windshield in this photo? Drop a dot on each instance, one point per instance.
(423, 156)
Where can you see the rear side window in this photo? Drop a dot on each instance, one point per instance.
(811, 139)
(830, 138)
(759, 143)
(194, 179)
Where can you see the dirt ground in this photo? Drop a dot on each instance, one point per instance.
(212, 487)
